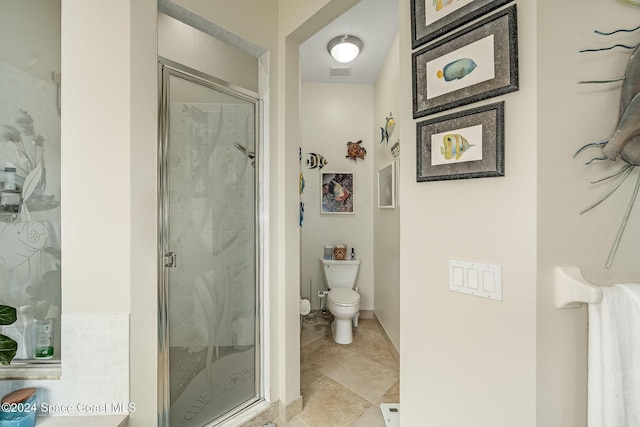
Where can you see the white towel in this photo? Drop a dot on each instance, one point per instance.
(614, 358)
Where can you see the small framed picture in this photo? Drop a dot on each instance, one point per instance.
(387, 186)
(468, 144)
(336, 193)
(477, 63)
(431, 19)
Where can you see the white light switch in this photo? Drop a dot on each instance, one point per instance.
(476, 278)
(488, 281)
(458, 273)
(472, 280)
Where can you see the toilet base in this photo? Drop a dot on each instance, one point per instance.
(342, 329)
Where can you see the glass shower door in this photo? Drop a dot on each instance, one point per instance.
(208, 234)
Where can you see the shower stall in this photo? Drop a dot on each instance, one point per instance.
(209, 287)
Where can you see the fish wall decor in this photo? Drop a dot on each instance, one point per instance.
(624, 143)
(457, 69)
(315, 160)
(355, 150)
(439, 4)
(387, 130)
(454, 145)
(337, 191)
(395, 149)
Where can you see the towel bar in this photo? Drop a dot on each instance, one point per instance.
(572, 289)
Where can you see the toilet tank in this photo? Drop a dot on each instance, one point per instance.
(340, 274)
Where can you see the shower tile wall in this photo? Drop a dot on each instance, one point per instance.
(215, 212)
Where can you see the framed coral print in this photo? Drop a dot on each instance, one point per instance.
(431, 19)
(387, 186)
(468, 144)
(336, 193)
(476, 63)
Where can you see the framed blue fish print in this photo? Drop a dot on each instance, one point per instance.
(476, 63)
(467, 144)
(336, 193)
(431, 19)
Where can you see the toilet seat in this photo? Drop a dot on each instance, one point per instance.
(343, 297)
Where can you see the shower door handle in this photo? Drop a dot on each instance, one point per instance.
(170, 259)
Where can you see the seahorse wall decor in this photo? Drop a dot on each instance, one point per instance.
(625, 141)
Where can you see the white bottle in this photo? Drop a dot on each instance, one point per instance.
(9, 176)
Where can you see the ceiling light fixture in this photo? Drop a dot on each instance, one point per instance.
(344, 48)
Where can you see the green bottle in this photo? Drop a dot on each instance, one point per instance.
(44, 339)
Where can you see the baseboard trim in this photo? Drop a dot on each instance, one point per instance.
(366, 314)
(394, 351)
(291, 410)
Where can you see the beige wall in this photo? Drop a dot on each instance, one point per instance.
(332, 115)
(569, 116)
(466, 360)
(386, 222)
(254, 21)
(96, 143)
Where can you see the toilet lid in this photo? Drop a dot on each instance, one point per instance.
(343, 296)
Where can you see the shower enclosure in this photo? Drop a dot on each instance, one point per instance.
(209, 355)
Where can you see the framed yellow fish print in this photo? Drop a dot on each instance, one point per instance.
(431, 19)
(336, 193)
(476, 63)
(467, 144)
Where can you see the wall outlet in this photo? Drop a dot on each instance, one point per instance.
(322, 294)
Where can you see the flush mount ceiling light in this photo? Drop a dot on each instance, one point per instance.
(344, 48)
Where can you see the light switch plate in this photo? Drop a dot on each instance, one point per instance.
(476, 278)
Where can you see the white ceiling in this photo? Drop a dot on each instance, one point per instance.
(373, 21)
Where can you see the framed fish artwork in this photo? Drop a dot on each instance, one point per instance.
(466, 144)
(336, 193)
(431, 19)
(473, 64)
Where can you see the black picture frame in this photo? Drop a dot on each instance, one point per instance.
(482, 129)
(491, 42)
(423, 32)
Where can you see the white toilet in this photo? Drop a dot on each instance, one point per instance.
(343, 300)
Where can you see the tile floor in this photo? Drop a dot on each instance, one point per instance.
(344, 385)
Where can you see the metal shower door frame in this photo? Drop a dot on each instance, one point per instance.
(166, 258)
